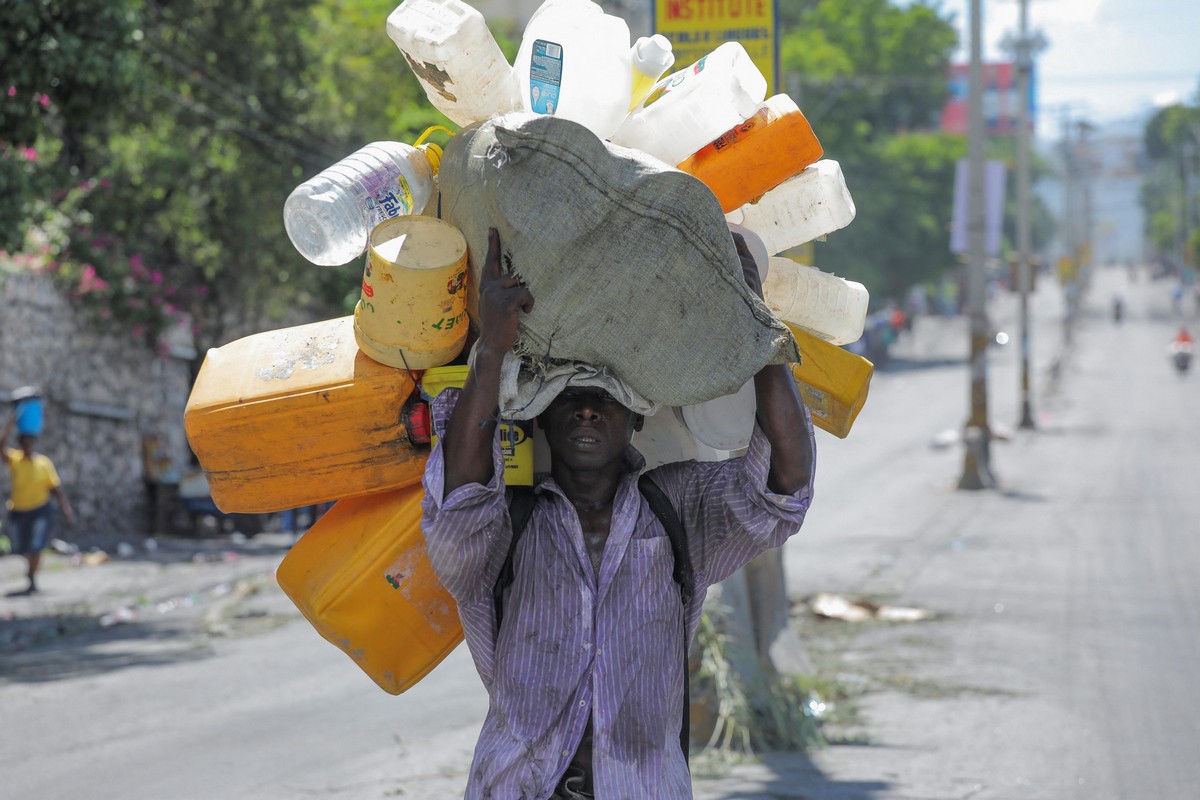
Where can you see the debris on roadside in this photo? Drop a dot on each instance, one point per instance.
(839, 607)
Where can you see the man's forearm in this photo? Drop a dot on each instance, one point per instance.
(467, 441)
(781, 416)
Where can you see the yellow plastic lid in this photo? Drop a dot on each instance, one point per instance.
(434, 153)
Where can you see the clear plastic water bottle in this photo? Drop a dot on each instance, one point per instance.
(330, 216)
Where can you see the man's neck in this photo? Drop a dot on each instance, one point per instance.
(588, 490)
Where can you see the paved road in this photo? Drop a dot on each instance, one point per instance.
(1059, 665)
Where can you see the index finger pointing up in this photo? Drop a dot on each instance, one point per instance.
(491, 266)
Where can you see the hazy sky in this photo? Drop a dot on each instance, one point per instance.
(1106, 59)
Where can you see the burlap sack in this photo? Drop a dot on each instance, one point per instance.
(630, 262)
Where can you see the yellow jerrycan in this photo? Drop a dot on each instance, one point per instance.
(833, 382)
(300, 416)
(362, 577)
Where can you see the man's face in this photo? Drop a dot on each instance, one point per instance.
(586, 428)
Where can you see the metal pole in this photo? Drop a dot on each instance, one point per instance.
(1024, 276)
(1071, 233)
(977, 472)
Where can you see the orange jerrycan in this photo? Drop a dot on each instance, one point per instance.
(756, 155)
(300, 416)
(833, 382)
(362, 577)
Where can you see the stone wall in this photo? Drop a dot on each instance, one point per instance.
(106, 396)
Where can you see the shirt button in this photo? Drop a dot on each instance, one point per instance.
(565, 753)
(582, 703)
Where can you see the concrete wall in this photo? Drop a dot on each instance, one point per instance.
(105, 394)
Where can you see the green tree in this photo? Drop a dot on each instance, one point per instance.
(67, 67)
(154, 170)
(870, 76)
(1170, 188)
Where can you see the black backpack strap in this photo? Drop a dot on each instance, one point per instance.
(520, 508)
(662, 507)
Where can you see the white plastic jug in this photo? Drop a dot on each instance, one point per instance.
(455, 58)
(651, 56)
(829, 307)
(802, 209)
(689, 108)
(574, 63)
(724, 423)
(329, 216)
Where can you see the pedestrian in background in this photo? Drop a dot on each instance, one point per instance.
(34, 480)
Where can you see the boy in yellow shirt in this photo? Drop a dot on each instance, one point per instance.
(34, 480)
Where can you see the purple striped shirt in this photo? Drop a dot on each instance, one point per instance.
(573, 645)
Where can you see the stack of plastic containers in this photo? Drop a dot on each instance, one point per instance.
(332, 411)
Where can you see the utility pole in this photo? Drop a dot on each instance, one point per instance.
(1070, 226)
(1087, 164)
(977, 472)
(1024, 47)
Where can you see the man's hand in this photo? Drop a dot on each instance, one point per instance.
(467, 442)
(501, 299)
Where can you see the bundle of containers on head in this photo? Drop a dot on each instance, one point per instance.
(354, 384)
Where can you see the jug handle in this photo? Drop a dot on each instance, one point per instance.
(430, 130)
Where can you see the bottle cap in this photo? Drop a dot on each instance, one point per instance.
(434, 153)
(652, 54)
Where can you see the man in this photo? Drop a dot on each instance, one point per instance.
(34, 480)
(585, 673)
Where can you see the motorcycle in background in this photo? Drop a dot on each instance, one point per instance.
(1180, 351)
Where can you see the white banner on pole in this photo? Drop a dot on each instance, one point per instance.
(993, 208)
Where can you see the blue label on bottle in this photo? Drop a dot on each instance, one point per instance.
(545, 76)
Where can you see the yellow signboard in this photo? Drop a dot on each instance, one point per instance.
(697, 27)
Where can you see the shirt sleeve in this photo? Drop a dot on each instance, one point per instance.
(467, 532)
(729, 513)
(52, 479)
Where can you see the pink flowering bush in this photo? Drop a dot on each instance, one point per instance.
(115, 288)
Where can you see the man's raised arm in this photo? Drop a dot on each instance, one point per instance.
(467, 440)
(780, 410)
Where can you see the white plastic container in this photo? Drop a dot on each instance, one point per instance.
(802, 209)
(665, 439)
(829, 307)
(724, 423)
(574, 63)
(689, 108)
(330, 216)
(650, 56)
(455, 58)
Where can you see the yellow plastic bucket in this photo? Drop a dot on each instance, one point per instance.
(412, 313)
(516, 436)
